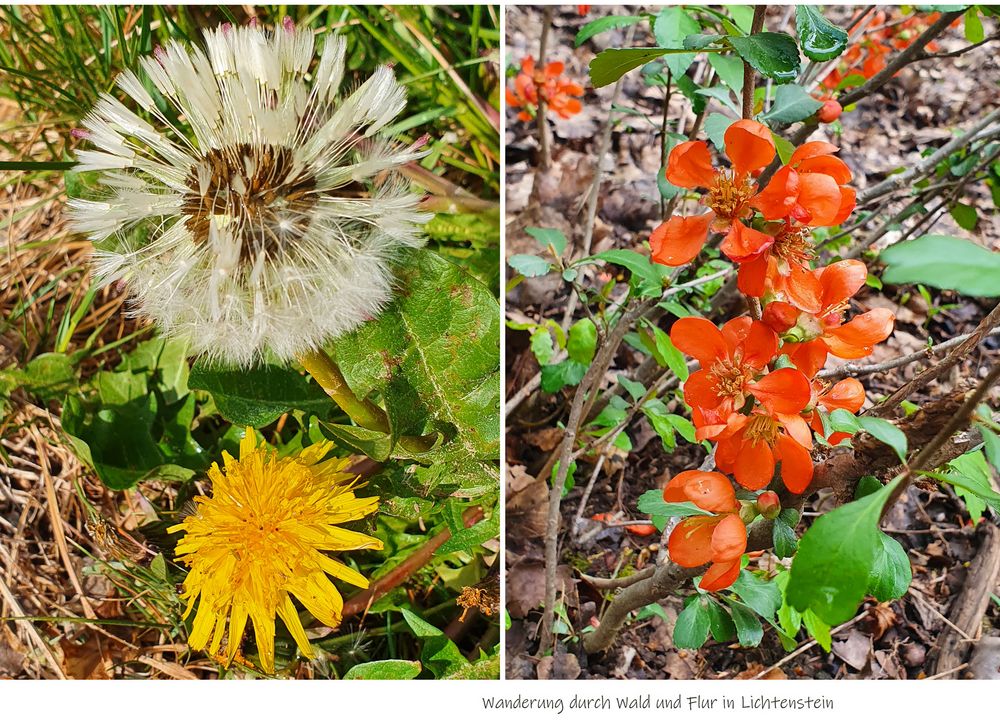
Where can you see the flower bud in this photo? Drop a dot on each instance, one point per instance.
(768, 505)
(829, 112)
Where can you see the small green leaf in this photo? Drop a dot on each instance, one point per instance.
(652, 503)
(991, 445)
(720, 622)
(974, 32)
(785, 541)
(730, 70)
(691, 628)
(821, 40)
(716, 125)
(582, 341)
(384, 670)
(634, 388)
(818, 629)
(530, 265)
(945, 263)
(439, 654)
(791, 104)
(542, 346)
(560, 375)
(667, 354)
(761, 595)
(774, 55)
(964, 215)
(749, 631)
(887, 433)
(890, 575)
(548, 237)
(671, 26)
(609, 22)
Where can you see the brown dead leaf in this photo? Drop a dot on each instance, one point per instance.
(546, 439)
(525, 587)
(881, 618)
(86, 661)
(560, 666)
(856, 650)
(755, 668)
(679, 666)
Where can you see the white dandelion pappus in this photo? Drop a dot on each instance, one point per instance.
(275, 226)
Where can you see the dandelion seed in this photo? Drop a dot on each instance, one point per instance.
(258, 541)
(272, 222)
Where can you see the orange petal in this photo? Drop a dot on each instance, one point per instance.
(780, 316)
(751, 276)
(856, 338)
(811, 150)
(796, 464)
(700, 390)
(803, 289)
(754, 467)
(820, 196)
(720, 575)
(760, 345)
(796, 426)
(841, 280)
(743, 242)
(847, 394)
(749, 146)
(729, 540)
(690, 165)
(708, 490)
(735, 331)
(690, 543)
(783, 391)
(699, 338)
(778, 197)
(528, 64)
(848, 200)
(679, 239)
(829, 165)
(809, 357)
(554, 69)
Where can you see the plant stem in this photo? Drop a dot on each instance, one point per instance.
(327, 373)
(543, 130)
(748, 73)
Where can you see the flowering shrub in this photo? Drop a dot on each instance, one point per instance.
(561, 95)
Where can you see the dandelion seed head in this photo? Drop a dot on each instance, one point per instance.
(262, 212)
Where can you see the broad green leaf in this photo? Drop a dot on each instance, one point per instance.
(945, 263)
(749, 630)
(582, 341)
(49, 375)
(774, 55)
(964, 215)
(818, 629)
(716, 125)
(259, 395)
(821, 40)
(657, 415)
(652, 503)
(611, 64)
(666, 353)
(691, 628)
(547, 237)
(885, 432)
(649, 274)
(384, 670)
(991, 445)
(791, 104)
(730, 70)
(972, 470)
(761, 595)
(720, 622)
(722, 95)
(469, 538)
(635, 389)
(541, 345)
(835, 559)
(377, 446)
(890, 575)
(439, 654)
(671, 26)
(562, 374)
(530, 265)
(609, 22)
(438, 342)
(783, 536)
(974, 32)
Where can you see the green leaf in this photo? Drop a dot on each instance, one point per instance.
(49, 375)
(259, 395)
(377, 446)
(867, 485)
(730, 70)
(964, 215)
(885, 432)
(991, 445)
(649, 274)
(716, 125)
(972, 470)
(700, 41)
(541, 345)
(437, 344)
(818, 629)
(945, 263)
(722, 95)
(720, 622)
(835, 559)
(890, 575)
(547, 237)
(384, 670)
(652, 503)
(610, 22)
(530, 265)
(634, 388)
(791, 103)
(821, 40)
(611, 64)
(761, 595)
(582, 341)
(785, 541)
(773, 55)
(784, 147)
(749, 630)
(666, 353)
(671, 26)
(691, 628)
(974, 32)
(469, 538)
(558, 376)
(439, 654)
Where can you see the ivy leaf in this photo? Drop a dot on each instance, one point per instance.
(821, 40)
(773, 55)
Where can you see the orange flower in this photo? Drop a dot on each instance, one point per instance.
(811, 188)
(561, 95)
(783, 268)
(679, 239)
(582, 9)
(847, 394)
(697, 540)
(732, 360)
(750, 445)
(815, 335)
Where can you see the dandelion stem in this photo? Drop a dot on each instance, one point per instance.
(327, 373)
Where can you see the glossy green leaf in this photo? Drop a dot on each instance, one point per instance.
(582, 341)
(773, 55)
(691, 628)
(438, 654)
(720, 622)
(611, 64)
(761, 595)
(945, 263)
(671, 26)
(821, 40)
(749, 630)
(891, 575)
(791, 103)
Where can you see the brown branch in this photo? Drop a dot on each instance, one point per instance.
(545, 160)
(620, 582)
(756, 26)
(925, 376)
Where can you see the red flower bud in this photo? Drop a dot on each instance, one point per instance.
(768, 505)
(829, 112)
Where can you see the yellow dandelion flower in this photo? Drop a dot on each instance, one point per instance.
(259, 539)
